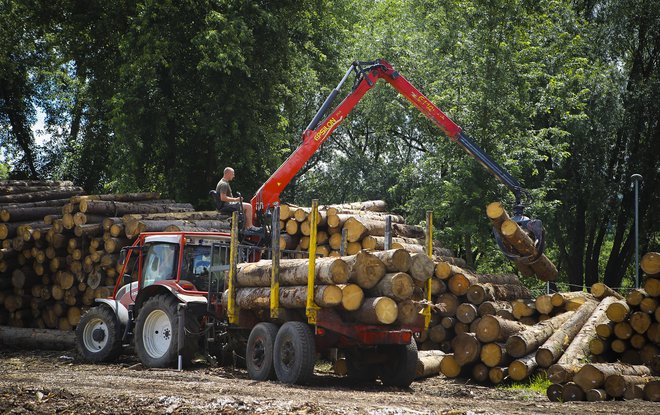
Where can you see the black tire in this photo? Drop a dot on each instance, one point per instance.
(294, 353)
(156, 333)
(357, 369)
(98, 335)
(401, 371)
(259, 352)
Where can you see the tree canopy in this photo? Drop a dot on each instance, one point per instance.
(142, 95)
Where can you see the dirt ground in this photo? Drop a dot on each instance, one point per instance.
(57, 382)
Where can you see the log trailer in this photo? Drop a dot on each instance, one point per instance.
(176, 300)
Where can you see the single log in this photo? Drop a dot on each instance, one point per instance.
(522, 367)
(616, 384)
(522, 309)
(575, 297)
(496, 329)
(293, 272)
(494, 354)
(134, 228)
(527, 341)
(36, 338)
(541, 265)
(437, 333)
(111, 208)
(640, 321)
(578, 351)
(461, 281)
(368, 205)
(466, 313)
(352, 296)
(635, 297)
(649, 305)
(496, 375)
(407, 312)
(397, 285)
(290, 297)
(118, 197)
(421, 267)
(377, 310)
(428, 363)
(650, 263)
(652, 287)
(480, 372)
(447, 304)
(593, 375)
(449, 367)
(395, 260)
(634, 392)
(600, 291)
(59, 193)
(377, 243)
(596, 395)
(22, 214)
(544, 304)
(618, 311)
(554, 392)
(572, 393)
(366, 269)
(480, 292)
(652, 391)
(492, 307)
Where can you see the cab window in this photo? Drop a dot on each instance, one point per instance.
(159, 263)
(196, 264)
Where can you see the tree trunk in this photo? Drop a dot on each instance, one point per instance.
(397, 286)
(395, 260)
(593, 376)
(461, 281)
(600, 291)
(377, 310)
(578, 350)
(110, 208)
(118, 197)
(292, 272)
(542, 266)
(60, 193)
(366, 269)
(480, 292)
(368, 205)
(524, 342)
(496, 329)
(37, 338)
(555, 345)
(134, 228)
(22, 214)
(428, 363)
(290, 297)
(521, 368)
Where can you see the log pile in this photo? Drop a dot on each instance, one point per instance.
(60, 248)
(363, 222)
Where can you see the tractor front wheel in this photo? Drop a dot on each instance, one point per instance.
(98, 337)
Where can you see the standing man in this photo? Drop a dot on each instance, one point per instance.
(229, 202)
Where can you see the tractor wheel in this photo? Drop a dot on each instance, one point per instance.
(294, 353)
(400, 371)
(157, 333)
(259, 353)
(98, 337)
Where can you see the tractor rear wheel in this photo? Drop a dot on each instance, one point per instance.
(156, 333)
(400, 370)
(294, 353)
(98, 337)
(259, 353)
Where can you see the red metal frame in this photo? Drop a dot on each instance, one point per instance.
(269, 192)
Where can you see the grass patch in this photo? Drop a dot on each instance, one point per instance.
(537, 383)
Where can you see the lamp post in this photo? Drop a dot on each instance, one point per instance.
(636, 178)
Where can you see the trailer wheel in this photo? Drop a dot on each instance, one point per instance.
(156, 333)
(259, 353)
(294, 353)
(358, 370)
(98, 336)
(401, 370)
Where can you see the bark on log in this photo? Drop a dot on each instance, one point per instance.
(110, 208)
(428, 363)
(134, 228)
(593, 376)
(292, 272)
(22, 214)
(368, 205)
(397, 286)
(600, 291)
(60, 193)
(527, 341)
(36, 338)
(554, 346)
(377, 310)
(521, 368)
(290, 297)
(118, 197)
(578, 350)
(395, 260)
(542, 266)
(467, 348)
(480, 292)
(366, 269)
(497, 329)
(461, 281)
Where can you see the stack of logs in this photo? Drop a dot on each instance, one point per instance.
(572, 329)
(59, 247)
(364, 223)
